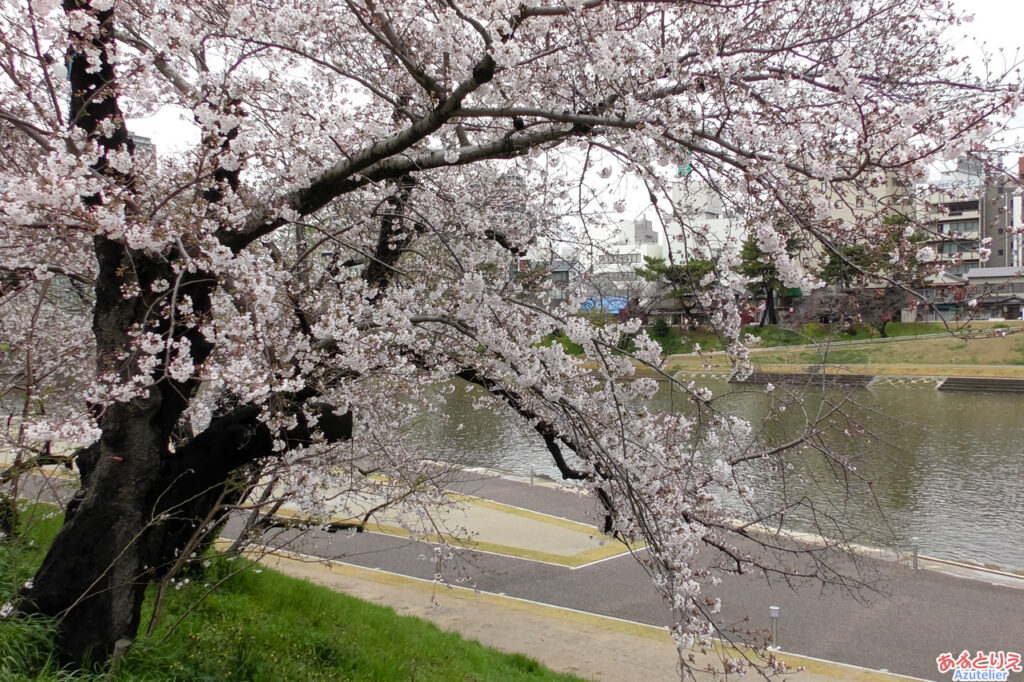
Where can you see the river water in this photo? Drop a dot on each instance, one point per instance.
(947, 468)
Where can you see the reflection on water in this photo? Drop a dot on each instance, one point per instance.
(944, 467)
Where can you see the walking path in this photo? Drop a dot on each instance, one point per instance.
(601, 617)
(588, 645)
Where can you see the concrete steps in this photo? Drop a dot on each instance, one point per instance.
(982, 384)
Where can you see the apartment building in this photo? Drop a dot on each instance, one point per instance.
(971, 211)
(613, 271)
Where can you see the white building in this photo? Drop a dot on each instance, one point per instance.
(613, 271)
(701, 224)
(698, 226)
(561, 269)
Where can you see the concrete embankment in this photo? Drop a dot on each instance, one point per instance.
(849, 377)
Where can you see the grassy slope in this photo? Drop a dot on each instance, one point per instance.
(932, 352)
(676, 341)
(262, 626)
(811, 345)
(1008, 350)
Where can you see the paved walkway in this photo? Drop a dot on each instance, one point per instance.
(492, 527)
(588, 645)
(547, 585)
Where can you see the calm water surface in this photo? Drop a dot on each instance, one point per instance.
(944, 467)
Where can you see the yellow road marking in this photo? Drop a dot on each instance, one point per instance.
(611, 548)
(812, 668)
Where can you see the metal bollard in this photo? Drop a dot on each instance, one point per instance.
(774, 612)
(915, 546)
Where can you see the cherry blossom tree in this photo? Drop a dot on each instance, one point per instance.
(340, 234)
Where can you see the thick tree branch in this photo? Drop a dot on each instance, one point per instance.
(371, 163)
(544, 428)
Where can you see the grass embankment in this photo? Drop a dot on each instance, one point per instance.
(947, 356)
(813, 344)
(676, 341)
(257, 625)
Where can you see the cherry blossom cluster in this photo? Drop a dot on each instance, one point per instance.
(344, 231)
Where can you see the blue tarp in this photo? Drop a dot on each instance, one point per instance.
(609, 305)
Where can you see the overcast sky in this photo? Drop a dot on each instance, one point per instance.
(998, 22)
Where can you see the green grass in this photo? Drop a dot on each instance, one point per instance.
(570, 347)
(894, 329)
(671, 342)
(844, 356)
(675, 341)
(927, 352)
(259, 625)
(26, 651)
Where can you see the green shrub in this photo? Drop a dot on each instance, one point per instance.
(559, 337)
(660, 327)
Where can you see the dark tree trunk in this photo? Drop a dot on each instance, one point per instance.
(137, 510)
(95, 572)
(94, 576)
(137, 500)
(770, 315)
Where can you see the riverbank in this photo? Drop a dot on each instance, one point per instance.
(909, 370)
(600, 620)
(245, 622)
(590, 645)
(943, 356)
(676, 340)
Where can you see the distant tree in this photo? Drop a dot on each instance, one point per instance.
(682, 282)
(872, 287)
(764, 274)
(632, 310)
(847, 266)
(877, 307)
(871, 260)
(873, 306)
(661, 327)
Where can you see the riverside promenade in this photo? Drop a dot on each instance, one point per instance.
(537, 578)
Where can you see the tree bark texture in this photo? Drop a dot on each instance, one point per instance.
(138, 507)
(770, 315)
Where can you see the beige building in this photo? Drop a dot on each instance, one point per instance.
(971, 213)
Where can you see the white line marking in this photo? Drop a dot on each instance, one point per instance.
(624, 552)
(556, 607)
